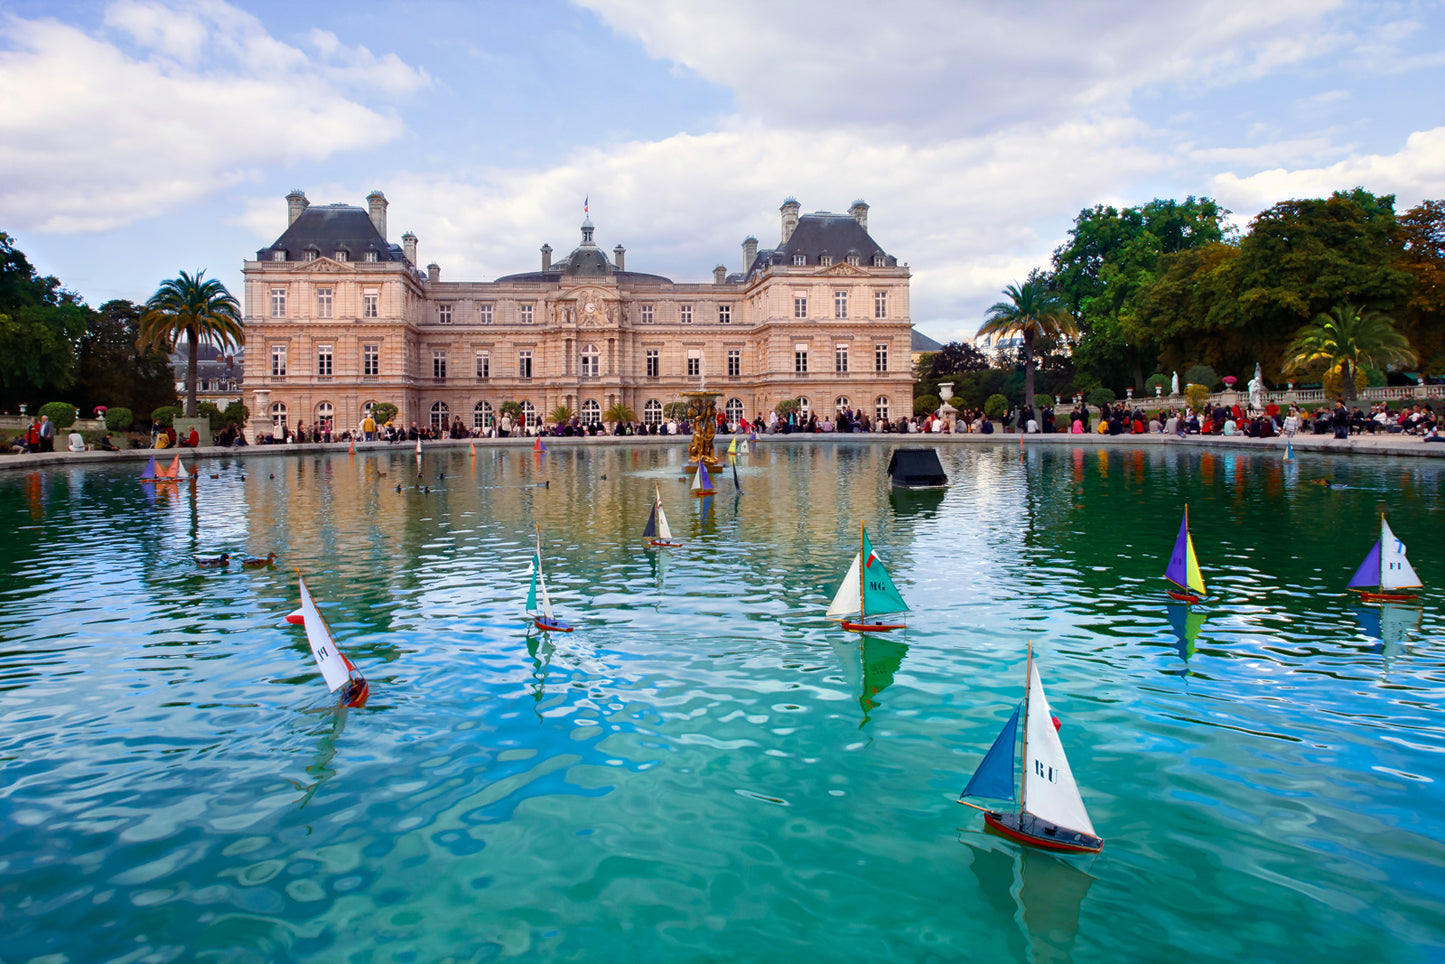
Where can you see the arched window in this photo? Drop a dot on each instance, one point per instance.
(652, 412)
(734, 410)
(482, 415)
(529, 415)
(802, 407)
(840, 403)
(439, 415)
(367, 408)
(880, 408)
(591, 362)
(278, 419)
(591, 411)
(325, 417)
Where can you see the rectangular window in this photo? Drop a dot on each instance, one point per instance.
(524, 364)
(840, 304)
(340, 256)
(826, 261)
(647, 314)
(735, 362)
(278, 302)
(484, 364)
(278, 255)
(880, 304)
(654, 363)
(444, 314)
(800, 306)
(526, 314)
(880, 357)
(800, 359)
(369, 303)
(311, 254)
(371, 256)
(800, 259)
(853, 260)
(840, 358)
(323, 302)
(371, 359)
(278, 360)
(484, 313)
(725, 314)
(694, 361)
(438, 364)
(684, 314)
(323, 359)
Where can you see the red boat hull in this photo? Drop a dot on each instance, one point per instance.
(553, 627)
(1033, 832)
(873, 627)
(1184, 597)
(1400, 597)
(664, 545)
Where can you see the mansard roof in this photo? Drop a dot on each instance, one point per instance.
(329, 228)
(823, 233)
(922, 342)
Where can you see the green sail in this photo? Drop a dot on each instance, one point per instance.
(879, 593)
(532, 593)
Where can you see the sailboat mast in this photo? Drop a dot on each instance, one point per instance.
(1024, 770)
(1381, 580)
(862, 564)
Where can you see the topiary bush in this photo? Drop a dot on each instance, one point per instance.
(1043, 402)
(165, 416)
(212, 414)
(926, 404)
(236, 413)
(1159, 381)
(1100, 397)
(1201, 375)
(119, 419)
(62, 414)
(383, 412)
(996, 406)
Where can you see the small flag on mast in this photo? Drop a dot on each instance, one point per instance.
(585, 199)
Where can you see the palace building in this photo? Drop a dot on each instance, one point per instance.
(338, 318)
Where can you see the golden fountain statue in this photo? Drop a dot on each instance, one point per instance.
(702, 410)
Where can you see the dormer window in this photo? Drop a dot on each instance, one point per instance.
(312, 254)
(826, 261)
(278, 255)
(371, 254)
(878, 261)
(853, 260)
(799, 260)
(340, 255)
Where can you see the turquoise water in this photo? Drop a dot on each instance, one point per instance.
(707, 770)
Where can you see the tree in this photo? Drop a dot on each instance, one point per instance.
(560, 415)
(619, 413)
(1031, 311)
(381, 412)
(109, 368)
(39, 325)
(1344, 340)
(196, 308)
(1422, 322)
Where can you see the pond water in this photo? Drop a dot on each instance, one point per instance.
(707, 770)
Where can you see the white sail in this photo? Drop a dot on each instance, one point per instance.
(542, 581)
(323, 647)
(849, 598)
(664, 532)
(1049, 788)
(1395, 570)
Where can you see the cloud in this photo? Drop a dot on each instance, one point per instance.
(169, 107)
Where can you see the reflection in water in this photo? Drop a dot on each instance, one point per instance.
(1389, 624)
(1186, 622)
(1042, 894)
(869, 664)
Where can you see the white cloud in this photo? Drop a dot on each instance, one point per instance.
(184, 102)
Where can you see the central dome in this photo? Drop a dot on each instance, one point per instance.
(587, 260)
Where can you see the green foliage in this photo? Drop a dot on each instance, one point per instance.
(1034, 312)
(40, 323)
(212, 414)
(165, 416)
(619, 413)
(1201, 375)
(1042, 401)
(560, 415)
(237, 413)
(1374, 378)
(784, 407)
(1197, 395)
(1160, 381)
(200, 310)
(111, 370)
(995, 406)
(925, 404)
(61, 413)
(1422, 318)
(1344, 341)
(383, 412)
(678, 410)
(1099, 397)
(119, 419)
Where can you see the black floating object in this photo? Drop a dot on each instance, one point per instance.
(441, 476)
(398, 487)
(916, 469)
(547, 484)
(426, 490)
(243, 476)
(604, 478)
(273, 475)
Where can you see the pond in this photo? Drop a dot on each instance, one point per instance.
(707, 769)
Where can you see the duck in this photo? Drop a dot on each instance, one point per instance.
(213, 562)
(441, 476)
(260, 562)
(398, 487)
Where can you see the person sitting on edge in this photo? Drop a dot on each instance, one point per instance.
(106, 445)
(75, 442)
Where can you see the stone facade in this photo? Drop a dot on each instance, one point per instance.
(338, 318)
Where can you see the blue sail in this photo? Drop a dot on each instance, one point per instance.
(1369, 572)
(650, 530)
(1178, 569)
(995, 775)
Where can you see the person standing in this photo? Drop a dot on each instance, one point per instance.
(47, 434)
(1341, 420)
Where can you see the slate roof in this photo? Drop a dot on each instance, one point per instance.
(327, 228)
(823, 233)
(922, 342)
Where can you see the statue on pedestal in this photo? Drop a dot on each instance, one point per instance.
(1256, 389)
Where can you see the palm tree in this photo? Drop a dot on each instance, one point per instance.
(1032, 310)
(1347, 339)
(197, 308)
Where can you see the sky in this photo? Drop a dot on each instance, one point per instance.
(139, 138)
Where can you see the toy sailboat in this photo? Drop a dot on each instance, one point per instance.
(542, 617)
(1051, 814)
(702, 482)
(418, 447)
(867, 591)
(539, 447)
(1288, 451)
(1386, 571)
(657, 532)
(1183, 568)
(339, 671)
(153, 472)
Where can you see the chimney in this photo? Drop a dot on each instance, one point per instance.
(750, 252)
(546, 257)
(433, 272)
(720, 274)
(790, 210)
(296, 203)
(619, 255)
(376, 204)
(408, 247)
(859, 210)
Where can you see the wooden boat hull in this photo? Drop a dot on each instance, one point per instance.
(1184, 597)
(659, 544)
(1033, 832)
(555, 626)
(872, 627)
(1387, 597)
(702, 492)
